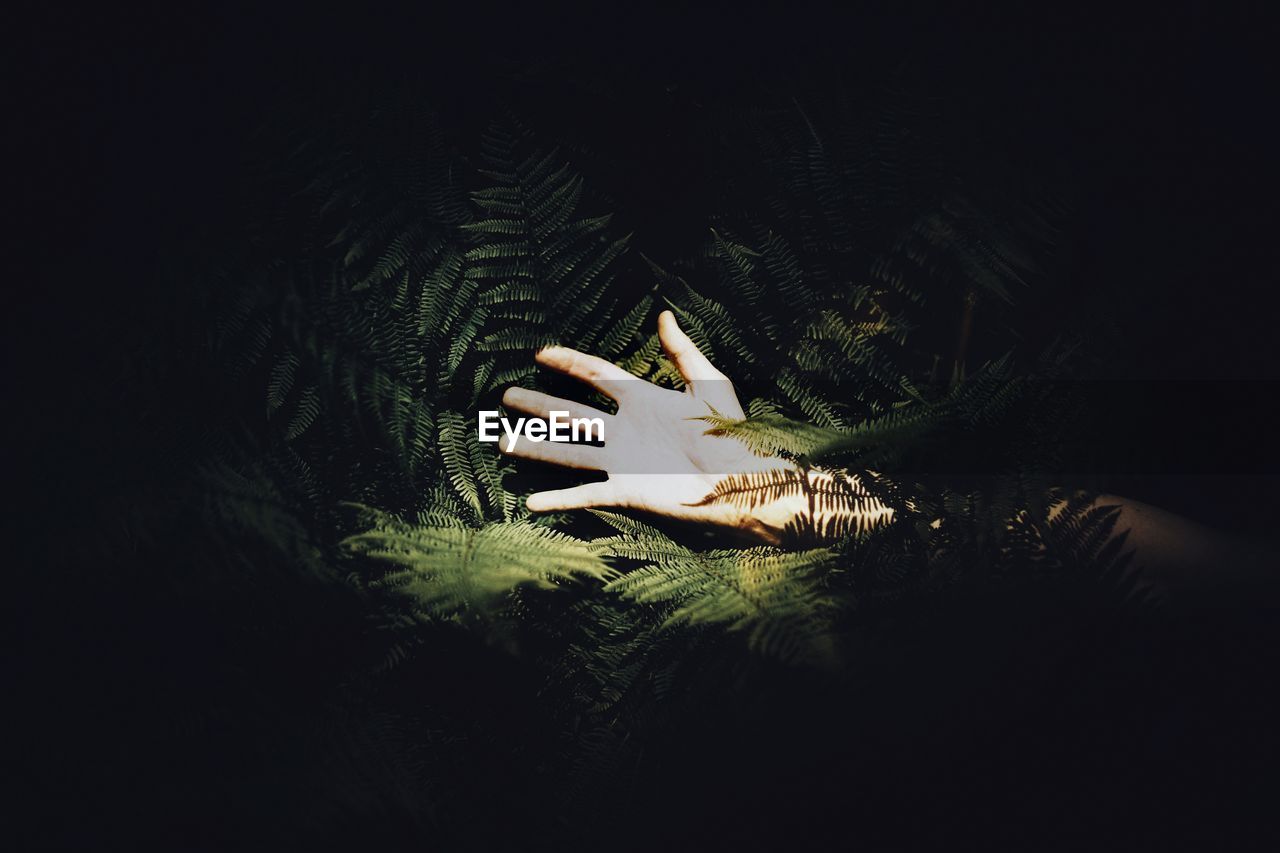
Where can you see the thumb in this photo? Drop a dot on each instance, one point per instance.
(705, 381)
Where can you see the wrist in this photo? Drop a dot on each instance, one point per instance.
(811, 506)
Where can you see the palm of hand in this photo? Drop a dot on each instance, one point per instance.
(657, 452)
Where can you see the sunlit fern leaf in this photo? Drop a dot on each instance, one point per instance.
(771, 596)
(843, 515)
(770, 434)
(455, 569)
(626, 524)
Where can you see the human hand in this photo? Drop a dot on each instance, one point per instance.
(657, 451)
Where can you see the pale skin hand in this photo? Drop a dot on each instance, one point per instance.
(659, 430)
(656, 430)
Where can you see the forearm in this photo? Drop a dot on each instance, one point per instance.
(1169, 550)
(1186, 556)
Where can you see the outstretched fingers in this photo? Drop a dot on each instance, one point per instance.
(586, 496)
(705, 381)
(606, 377)
(683, 352)
(542, 405)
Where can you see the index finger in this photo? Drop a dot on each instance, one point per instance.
(604, 376)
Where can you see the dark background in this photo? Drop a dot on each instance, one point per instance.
(136, 128)
(130, 134)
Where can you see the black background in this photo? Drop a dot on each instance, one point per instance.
(133, 130)
(130, 130)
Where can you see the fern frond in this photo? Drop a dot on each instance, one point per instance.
(453, 570)
(771, 596)
(768, 435)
